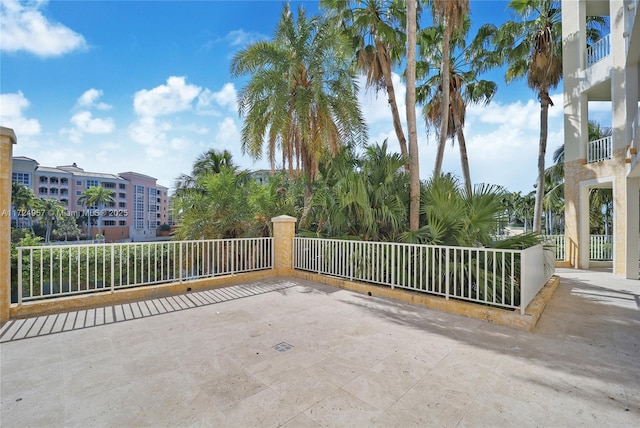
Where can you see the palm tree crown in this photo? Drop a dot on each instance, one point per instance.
(301, 96)
(96, 196)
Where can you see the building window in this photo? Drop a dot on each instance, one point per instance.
(107, 185)
(43, 190)
(65, 202)
(122, 223)
(153, 208)
(92, 183)
(53, 180)
(21, 177)
(43, 179)
(64, 181)
(78, 192)
(138, 208)
(122, 195)
(122, 205)
(54, 191)
(122, 186)
(109, 223)
(78, 182)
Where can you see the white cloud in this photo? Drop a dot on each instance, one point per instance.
(12, 115)
(83, 121)
(86, 123)
(148, 131)
(89, 100)
(25, 28)
(241, 37)
(226, 97)
(375, 105)
(228, 133)
(173, 97)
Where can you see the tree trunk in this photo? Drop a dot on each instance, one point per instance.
(414, 173)
(444, 125)
(464, 159)
(542, 149)
(391, 93)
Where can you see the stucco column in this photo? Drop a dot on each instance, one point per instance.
(7, 140)
(284, 228)
(631, 229)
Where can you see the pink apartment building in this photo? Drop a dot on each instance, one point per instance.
(140, 204)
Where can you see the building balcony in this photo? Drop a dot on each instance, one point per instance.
(599, 150)
(599, 50)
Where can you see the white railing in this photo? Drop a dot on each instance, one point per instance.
(599, 50)
(482, 275)
(559, 242)
(54, 271)
(599, 150)
(600, 247)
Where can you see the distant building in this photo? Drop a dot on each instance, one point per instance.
(140, 204)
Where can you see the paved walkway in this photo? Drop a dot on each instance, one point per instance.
(297, 354)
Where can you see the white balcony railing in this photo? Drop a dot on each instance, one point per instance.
(600, 247)
(503, 278)
(599, 150)
(45, 272)
(559, 242)
(598, 51)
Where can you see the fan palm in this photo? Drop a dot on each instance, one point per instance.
(376, 30)
(301, 95)
(362, 196)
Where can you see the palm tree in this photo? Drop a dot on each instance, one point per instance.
(23, 199)
(51, 210)
(361, 196)
(222, 210)
(464, 85)
(375, 27)
(450, 14)
(414, 202)
(96, 196)
(210, 162)
(67, 226)
(301, 96)
(532, 47)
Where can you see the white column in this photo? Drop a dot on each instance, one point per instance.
(632, 228)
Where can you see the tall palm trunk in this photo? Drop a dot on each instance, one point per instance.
(414, 173)
(462, 145)
(545, 102)
(391, 93)
(445, 72)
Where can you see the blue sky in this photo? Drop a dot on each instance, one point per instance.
(145, 86)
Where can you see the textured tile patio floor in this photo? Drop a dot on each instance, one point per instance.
(285, 352)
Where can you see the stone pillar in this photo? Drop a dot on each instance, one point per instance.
(7, 140)
(284, 228)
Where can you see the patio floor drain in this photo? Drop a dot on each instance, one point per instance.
(282, 347)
